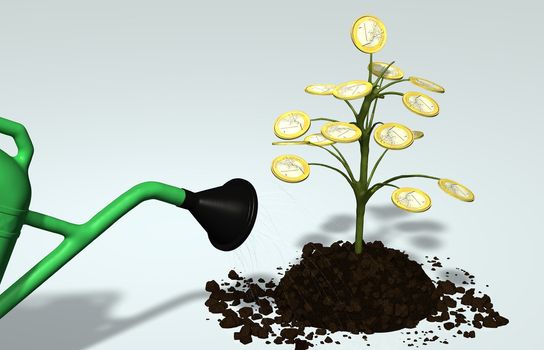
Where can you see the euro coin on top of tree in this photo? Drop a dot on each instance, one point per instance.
(368, 34)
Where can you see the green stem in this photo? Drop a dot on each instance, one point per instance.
(345, 162)
(364, 143)
(391, 93)
(370, 70)
(380, 79)
(411, 175)
(335, 169)
(340, 158)
(390, 185)
(371, 119)
(327, 119)
(363, 112)
(359, 226)
(376, 165)
(377, 186)
(361, 187)
(374, 125)
(361, 192)
(391, 84)
(352, 109)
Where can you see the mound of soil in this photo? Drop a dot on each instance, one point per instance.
(332, 289)
(381, 290)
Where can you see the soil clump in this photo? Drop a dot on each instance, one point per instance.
(332, 289)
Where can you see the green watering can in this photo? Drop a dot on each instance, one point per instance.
(227, 213)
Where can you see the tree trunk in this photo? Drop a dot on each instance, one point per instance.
(361, 191)
(359, 222)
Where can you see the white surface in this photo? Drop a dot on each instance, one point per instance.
(111, 91)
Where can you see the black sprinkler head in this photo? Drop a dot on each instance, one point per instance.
(227, 213)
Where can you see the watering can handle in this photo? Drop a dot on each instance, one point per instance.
(22, 140)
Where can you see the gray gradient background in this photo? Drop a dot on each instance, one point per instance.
(118, 92)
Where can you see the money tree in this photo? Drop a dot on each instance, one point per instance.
(369, 36)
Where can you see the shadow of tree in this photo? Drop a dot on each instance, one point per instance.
(426, 242)
(335, 224)
(339, 223)
(386, 211)
(427, 231)
(80, 320)
(387, 215)
(420, 226)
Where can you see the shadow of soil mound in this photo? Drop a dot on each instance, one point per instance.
(380, 290)
(332, 289)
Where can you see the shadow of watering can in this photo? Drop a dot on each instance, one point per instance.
(227, 213)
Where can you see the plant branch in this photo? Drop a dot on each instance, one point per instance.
(371, 119)
(391, 185)
(370, 70)
(363, 112)
(380, 79)
(376, 165)
(346, 164)
(352, 109)
(377, 186)
(391, 84)
(335, 169)
(391, 93)
(327, 119)
(340, 159)
(374, 125)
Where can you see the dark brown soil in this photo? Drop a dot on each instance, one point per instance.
(381, 290)
(333, 289)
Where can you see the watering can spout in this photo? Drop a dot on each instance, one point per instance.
(227, 213)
